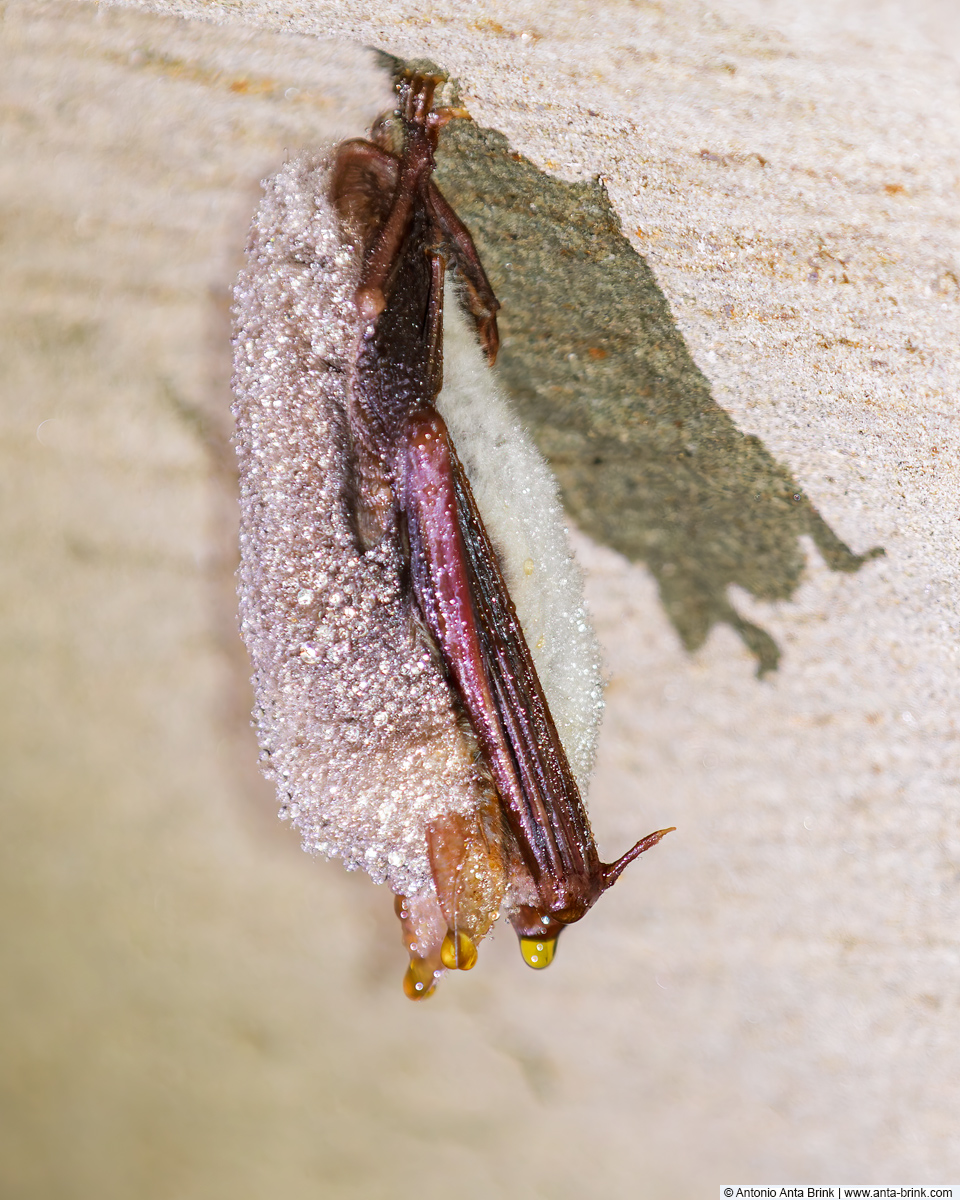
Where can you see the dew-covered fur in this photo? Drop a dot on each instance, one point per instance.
(355, 719)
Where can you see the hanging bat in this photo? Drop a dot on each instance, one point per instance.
(399, 704)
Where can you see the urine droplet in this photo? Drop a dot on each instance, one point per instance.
(420, 981)
(538, 952)
(458, 953)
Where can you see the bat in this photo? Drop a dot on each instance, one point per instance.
(399, 705)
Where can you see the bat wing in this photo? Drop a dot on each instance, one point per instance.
(465, 604)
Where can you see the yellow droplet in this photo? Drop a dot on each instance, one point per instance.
(538, 952)
(419, 981)
(528, 566)
(458, 952)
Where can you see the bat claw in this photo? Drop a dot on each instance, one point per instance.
(442, 116)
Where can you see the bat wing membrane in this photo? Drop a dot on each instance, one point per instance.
(465, 603)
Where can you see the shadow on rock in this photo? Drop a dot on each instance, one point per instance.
(647, 461)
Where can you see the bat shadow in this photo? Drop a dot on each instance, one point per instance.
(647, 461)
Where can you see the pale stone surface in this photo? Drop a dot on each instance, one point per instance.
(193, 1008)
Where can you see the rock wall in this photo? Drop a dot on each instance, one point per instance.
(761, 354)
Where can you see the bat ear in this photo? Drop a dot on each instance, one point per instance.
(468, 874)
(423, 928)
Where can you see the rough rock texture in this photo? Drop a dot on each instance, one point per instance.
(191, 1006)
